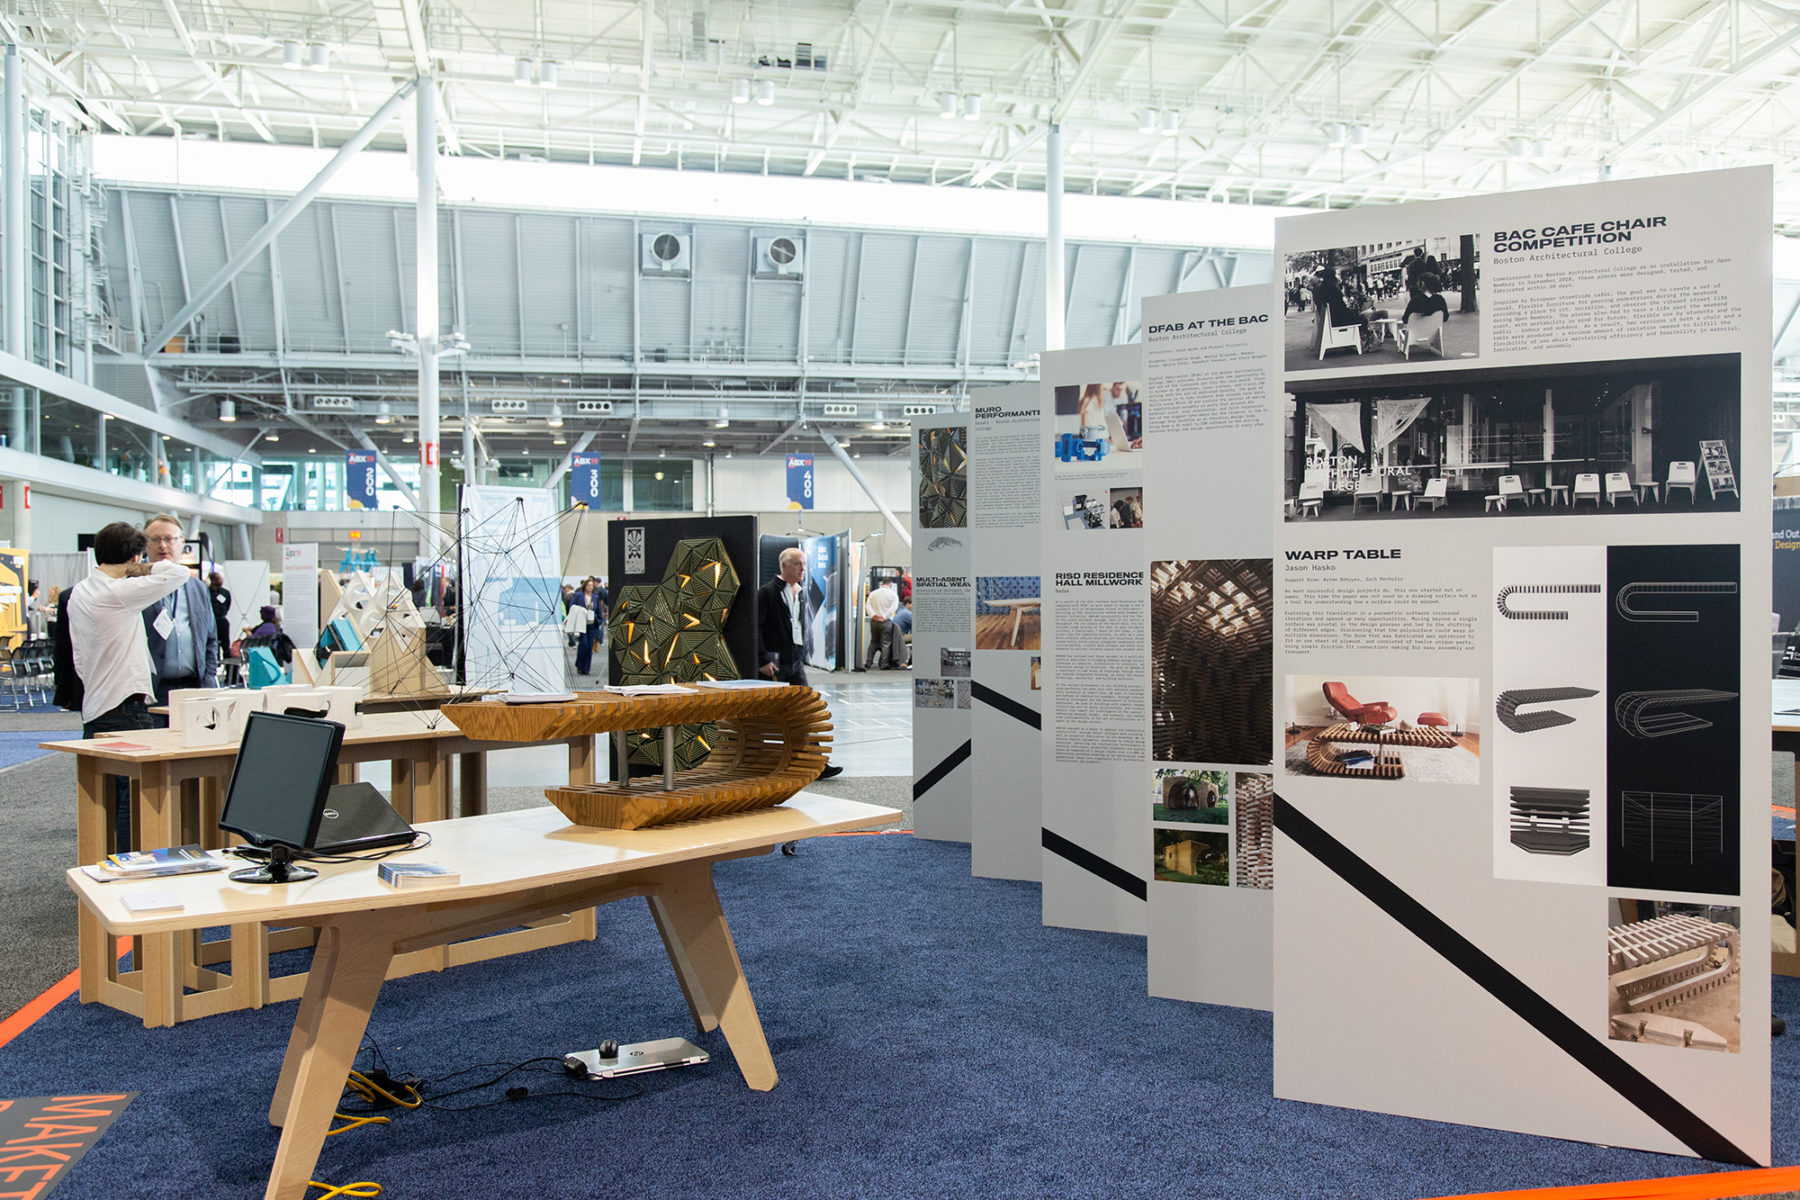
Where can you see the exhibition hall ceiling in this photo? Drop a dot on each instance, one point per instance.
(1316, 103)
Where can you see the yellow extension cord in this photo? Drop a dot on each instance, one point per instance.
(363, 1086)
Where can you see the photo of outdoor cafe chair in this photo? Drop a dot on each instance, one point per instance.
(1511, 488)
(1587, 487)
(1422, 331)
(1312, 497)
(1618, 483)
(1436, 493)
(1681, 474)
(1340, 337)
(1380, 712)
(1368, 487)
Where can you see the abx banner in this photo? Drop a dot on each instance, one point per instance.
(359, 479)
(800, 481)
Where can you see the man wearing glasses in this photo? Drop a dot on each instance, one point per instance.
(181, 632)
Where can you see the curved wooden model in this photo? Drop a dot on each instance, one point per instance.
(1323, 759)
(771, 743)
(1423, 735)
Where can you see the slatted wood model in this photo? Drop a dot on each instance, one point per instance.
(1435, 739)
(1695, 954)
(1541, 589)
(771, 742)
(1255, 817)
(1213, 661)
(1507, 705)
(1550, 820)
(1323, 759)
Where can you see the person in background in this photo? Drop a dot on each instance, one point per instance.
(902, 631)
(880, 608)
(52, 607)
(589, 598)
(780, 628)
(34, 611)
(270, 627)
(182, 635)
(221, 606)
(109, 644)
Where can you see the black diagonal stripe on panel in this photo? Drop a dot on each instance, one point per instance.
(935, 776)
(1088, 861)
(1006, 704)
(1581, 1045)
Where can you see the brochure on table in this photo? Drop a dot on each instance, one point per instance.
(1007, 683)
(1519, 661)
(943, 628)
(1209, 750)
(1090, 602)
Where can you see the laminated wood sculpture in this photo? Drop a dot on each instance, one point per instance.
(768, 744)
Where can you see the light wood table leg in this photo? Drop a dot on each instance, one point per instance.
(162, 953)
(400, 790)
(430, 787)
(471, 784)
(93, 817)
(1018, 619)
(686, 907)
(583, 762)
(347, 970)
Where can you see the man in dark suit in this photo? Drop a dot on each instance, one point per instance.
(183, 636)
(781, 628)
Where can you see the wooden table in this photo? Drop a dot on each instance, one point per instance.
(1019, 606)
(516, 867)
(178, 792)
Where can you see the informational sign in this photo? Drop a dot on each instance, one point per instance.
(1521, 680)
(800, 481)
(943, 644)
(584, 480)
(824, 598)
(360, 467)
(300, 592)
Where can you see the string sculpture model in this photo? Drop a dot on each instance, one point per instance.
(674, 632)
(1647, 715)
(1657, 964)
(1672, 827)
(1550, 820)
(943, 478)
(1255, 830)
(1542, 589)
(1626, 601)
(1507, 705)
(768, 743)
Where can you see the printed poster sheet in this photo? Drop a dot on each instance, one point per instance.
(1519, 665)
(943, 629)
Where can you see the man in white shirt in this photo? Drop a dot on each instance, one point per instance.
(880, 608)
(106, 636)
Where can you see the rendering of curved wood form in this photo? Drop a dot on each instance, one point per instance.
(1321, 758)
(1672, 827)
(1507, 705)
(1623, 601)
(1541, 589)
(1550, 820)
(1640, 715)
(1424, 735)
(772, 742)
(1691, 956)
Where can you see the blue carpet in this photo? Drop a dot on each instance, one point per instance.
(933, 1039)
(18, 747)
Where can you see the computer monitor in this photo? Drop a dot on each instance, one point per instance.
(278, 787)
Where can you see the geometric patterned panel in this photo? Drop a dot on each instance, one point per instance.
(943, 478)
(1212, 661)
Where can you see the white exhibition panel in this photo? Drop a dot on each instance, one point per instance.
(1208, 366)
(1448, 925)
(943, 630)
(511, 596)
(248, 582)
(1096, 816)
(1004, 521)
(300, 593)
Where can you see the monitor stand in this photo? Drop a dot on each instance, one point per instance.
(281, 868)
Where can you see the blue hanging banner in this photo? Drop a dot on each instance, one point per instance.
(584, 480)
(800, 480)
(359, 479)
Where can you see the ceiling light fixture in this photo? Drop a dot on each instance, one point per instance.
(227, 410)
(270, 436)
(971, 107)
(765, 92)
(1171, 122)
(1339, 134)
(658, 476)
(664, 453)
(556, 417)
(1147, 120)
(406, 438)
(724, 418)
(290, 55)
(709, 443)
(384, 413)
(947, 109)
(1540, 148)
(879, 423)
(559, 440)
(740, 91)
(522, 72)
(547, 73)
(321, 57)
(1359, 135)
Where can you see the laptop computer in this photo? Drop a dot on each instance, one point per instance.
(357, 818)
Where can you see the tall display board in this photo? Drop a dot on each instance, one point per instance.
(1520, 667)
(943, 629)
(1004, 519)
(1090, 599)
(511, 569)
(1209, 749)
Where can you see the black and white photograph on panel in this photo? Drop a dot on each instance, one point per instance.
(1615, 437)
(1674, 719)
(1672, 974)
(1253, 830)
(1098, 422)
(944, 477)
(1190, 856)
(1382, 303)
(1384, 727)
(953, 663)
(1212, 666)
(1191, 797)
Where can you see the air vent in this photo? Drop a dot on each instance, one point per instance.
(840, 410)
(920, 410)
(666, 254)
(340, 403)
(780, 257)
(592, 408)
(510, 405)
